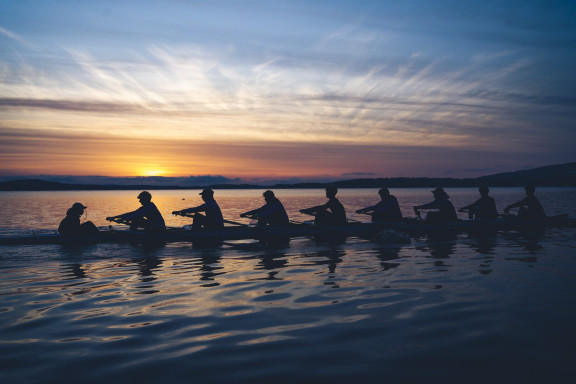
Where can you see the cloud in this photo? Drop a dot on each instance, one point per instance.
(39, 152)
(336, 78)
(71, 105)
(16, 37)
(528, 99)
(158, 181)
(358, 174)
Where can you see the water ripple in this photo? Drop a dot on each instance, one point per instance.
(336, 312)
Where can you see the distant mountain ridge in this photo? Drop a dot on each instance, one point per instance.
(561, 175)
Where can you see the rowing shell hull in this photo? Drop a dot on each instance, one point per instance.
(171, 235)
(409, 226)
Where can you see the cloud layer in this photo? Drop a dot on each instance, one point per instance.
(417, 79)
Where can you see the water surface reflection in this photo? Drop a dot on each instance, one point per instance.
(307, 310)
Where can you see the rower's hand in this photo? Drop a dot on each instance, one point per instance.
(359, 211)
(111, 218)
(177, 213)
(416, 211)
(506, 210)
(243, 215)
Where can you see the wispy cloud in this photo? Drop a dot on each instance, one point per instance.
(346, 75)
(27, 152)
(5, 32)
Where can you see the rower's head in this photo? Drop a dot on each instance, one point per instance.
(384, 192)
(530, 189)
(268, 196)
(76, 209)
(144, 197)
(483, 191)
(207, 194)
(439, 193)
(331, 191)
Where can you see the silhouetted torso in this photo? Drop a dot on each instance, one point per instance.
(338, 216)
(150, 213)
(214, 219)
(387, 210)
(71, 226)
(271, 213)
(533, 208)
(485, 208)
(445, 210)
(331, 213)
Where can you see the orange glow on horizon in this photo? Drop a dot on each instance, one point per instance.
(152, 171)
(79, 155)
(57, 153)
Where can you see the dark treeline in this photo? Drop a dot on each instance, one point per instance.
(563, 175)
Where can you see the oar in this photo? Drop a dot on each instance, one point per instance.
(120, 221)
(128, 222)
(257, 246)
(225, 221)
(301, 222)
(327, 231)
(236, 223)
(361, 213)
(510, 215)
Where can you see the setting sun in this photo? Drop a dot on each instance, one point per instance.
(151, 171)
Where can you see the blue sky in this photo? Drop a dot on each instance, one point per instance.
(286, 89)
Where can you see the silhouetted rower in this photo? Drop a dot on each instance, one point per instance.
(147, 216)
(387, 210)
(70, 225)
(530, 207)
(483, 208)
(445, 211)
(213, 218)
(271, 213)
(331, 213)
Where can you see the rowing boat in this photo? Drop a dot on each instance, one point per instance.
(471, 226)
(169, 235)
(360, 229)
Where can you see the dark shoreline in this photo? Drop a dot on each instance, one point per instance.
(563, 175)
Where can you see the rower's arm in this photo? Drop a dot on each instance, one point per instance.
(521, 203)
(467, 208)
(140, 212)
(114, 218)
(384, 207)
(314, 209)
(367, 209)
(432, 205)
(253, 212)
(200, 208)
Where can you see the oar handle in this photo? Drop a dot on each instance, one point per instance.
(178, 213)
(307, 213)
(235, 223)
(118, 220)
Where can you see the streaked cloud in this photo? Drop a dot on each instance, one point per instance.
(15, 37)
(410, 76)
(37, 152)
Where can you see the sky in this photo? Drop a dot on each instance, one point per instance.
(253, 91)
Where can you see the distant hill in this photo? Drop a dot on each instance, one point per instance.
(42, 185)
(562, 175)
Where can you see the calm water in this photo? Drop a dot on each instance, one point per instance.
(451, 309)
